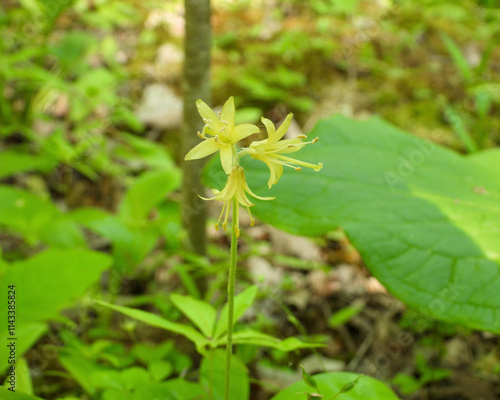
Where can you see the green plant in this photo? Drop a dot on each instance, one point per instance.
(407, 384)
(423, 217)
(471, 124)
(341, 385)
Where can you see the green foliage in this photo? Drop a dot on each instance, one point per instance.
(8, 395)
(44, 285)
(126, 380)
(341, 384)
(203, 315)
(212, 376)
(37, 219)
(344, 315)
(51, 78)
(407, 384)
(472, 125)
(422, 216)
(131, 231)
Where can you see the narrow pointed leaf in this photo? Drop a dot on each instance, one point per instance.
(241, 302)
(199, 312)
(159, 322)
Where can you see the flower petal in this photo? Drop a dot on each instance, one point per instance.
(242, 131)
(208, 115)
(203, 149)
(271, 130)
(283, 128)
(247, 189)
(226, 158)
(228, 113)
(278, 168)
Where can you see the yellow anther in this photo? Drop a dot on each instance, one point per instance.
(298, 169)
(301, 136)
(315, 140)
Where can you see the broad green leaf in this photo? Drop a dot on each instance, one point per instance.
(181, 389)
(44, 285)
(212, 371)
(130, 243)
(89, 375)
(24, 383)
(199, 312)
(50, 281)
(30, 334)
(141, 150)
(148, 191)
(12, 162)
(330, 383)
(135, 377)
(406, 384)
(159, 370)
(9, 395)
(425, 219)
(241, 303)
(37, 219)
(155, 320)
(256, 338)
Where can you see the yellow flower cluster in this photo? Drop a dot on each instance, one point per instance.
(221, 134)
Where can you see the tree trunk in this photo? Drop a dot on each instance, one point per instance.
(196, 85)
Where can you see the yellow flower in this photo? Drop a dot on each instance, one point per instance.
(220, 133)
(236, 188)
(271, 150)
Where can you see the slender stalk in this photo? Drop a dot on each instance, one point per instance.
(230, 297)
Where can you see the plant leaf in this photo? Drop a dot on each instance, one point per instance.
(212, 373)
(249, 336)
(159, 322)
(425, 219)
(199, 312)
(331, 383)
(146, 192)
(241, 303)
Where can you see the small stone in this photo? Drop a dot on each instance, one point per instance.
(160, 107)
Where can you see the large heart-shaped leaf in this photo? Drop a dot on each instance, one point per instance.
(425, 219)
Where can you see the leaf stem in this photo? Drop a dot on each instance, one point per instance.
(230, 297)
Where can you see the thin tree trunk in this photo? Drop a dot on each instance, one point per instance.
(196, 85)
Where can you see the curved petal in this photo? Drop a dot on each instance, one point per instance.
(278, 169)
(208, 115)
(272, 178)
(247, 189)
(271, 130)
(226, 158)
(242, 131)
(228, 113)
(283, 128)
(203, 149)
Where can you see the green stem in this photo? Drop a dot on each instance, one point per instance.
(230, 297)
